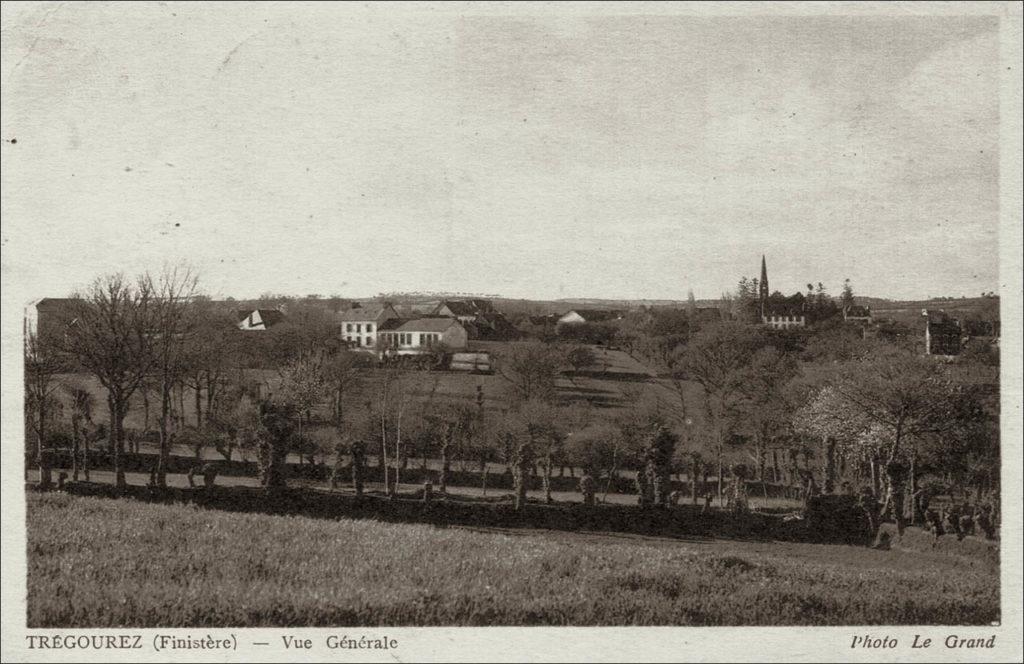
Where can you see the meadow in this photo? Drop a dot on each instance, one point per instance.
(96, 562)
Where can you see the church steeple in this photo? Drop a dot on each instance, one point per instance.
(763, 287)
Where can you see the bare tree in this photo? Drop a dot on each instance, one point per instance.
(341, 371)
(212, 355)
(531, 369)
(109, 334)
(764, 405)
(716, 358)
(173, 321)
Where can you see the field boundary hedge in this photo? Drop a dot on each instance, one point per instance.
(144, 462)
(680, 522)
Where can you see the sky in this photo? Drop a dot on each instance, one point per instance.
(352, 150)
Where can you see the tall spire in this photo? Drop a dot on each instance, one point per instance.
(763, 286)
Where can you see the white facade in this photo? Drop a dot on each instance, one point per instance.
(424, 335)
(361, 333)
(784, 322)
(360, 326)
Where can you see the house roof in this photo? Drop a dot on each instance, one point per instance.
(595, 315)
(935, 314)
(269, 317)
(481, 304)
(459, 307)
(432, 324)
(784, 310)
(56, 302)
(368, 313)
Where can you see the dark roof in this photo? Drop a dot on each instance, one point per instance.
(458, 308)
(943, 326)
(56, 302)
(369, 312)
(432, 324)
(784, 310)
(936, 315)
(857, 311)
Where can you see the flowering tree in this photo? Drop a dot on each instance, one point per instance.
(888, 403)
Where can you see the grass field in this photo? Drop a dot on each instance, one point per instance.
(105, 563)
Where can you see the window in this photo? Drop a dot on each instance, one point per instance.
(369, 327)
(359, 327)
(348, 327)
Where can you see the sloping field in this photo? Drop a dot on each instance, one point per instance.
(105, 563)
(610, 383)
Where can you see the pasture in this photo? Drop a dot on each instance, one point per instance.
(614, 383)
(115, 563)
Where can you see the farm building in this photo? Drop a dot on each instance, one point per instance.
(422, 335)
(479, 362)
(42, 316)
(467, 311)
(479, 318)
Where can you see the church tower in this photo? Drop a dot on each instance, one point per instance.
(763, 288)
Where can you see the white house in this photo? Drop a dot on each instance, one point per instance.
(361, 325)
(784, 321)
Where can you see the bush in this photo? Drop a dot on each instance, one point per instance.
(837, 517)
(59, 440)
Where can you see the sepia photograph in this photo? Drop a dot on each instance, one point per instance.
(364, 317)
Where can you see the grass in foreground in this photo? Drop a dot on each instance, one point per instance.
(104, 563)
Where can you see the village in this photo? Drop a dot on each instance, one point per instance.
(370, 317)
(610, 361)
(758, 415)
